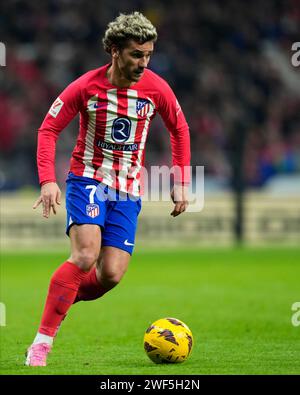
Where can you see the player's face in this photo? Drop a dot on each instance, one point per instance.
(133, 59)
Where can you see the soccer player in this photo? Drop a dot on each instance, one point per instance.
(116, 103)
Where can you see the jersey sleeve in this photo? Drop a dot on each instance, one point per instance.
(175, 121)
(63, 110)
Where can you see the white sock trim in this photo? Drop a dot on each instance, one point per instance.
(41, 338)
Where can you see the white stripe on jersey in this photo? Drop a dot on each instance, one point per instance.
(135, 185)
(132, 96)
(89, 139)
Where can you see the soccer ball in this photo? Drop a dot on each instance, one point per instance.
(168, 340)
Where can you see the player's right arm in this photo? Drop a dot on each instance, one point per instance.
(50, 196)
(62, 111)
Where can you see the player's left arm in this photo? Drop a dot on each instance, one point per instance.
(62, 111)
(174, 119)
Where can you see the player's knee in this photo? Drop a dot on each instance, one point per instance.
(111, 278)
(85, 258)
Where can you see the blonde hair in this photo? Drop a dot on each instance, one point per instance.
(126, 27)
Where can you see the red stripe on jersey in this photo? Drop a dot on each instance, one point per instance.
(100, 129)
(140, 130)
(130, 178)
(77, 165)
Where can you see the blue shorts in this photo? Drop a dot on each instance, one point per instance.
(91, 202)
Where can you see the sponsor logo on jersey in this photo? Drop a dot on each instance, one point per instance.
(95, 106)
(121, 129)
(56, 107)
(142, 107)
(92, 210)
(118, 147)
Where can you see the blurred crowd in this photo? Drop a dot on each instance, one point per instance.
(212, 52)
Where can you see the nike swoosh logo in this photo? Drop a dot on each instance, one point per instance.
(126, 242)
(96, 105)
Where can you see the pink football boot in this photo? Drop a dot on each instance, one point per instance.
(37, 354)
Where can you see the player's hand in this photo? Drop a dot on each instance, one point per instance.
(179, 195)
(50, 197)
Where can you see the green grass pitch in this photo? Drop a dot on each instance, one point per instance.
(237, 303)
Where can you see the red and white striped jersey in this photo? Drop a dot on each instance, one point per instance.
(114, 124)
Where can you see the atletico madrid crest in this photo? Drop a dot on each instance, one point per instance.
(142, 107)
(92, 210)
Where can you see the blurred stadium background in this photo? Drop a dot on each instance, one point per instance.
(230, 66)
